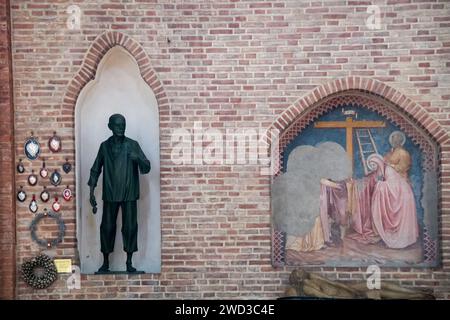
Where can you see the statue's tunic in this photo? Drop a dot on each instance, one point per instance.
(120, 190)
(120, 173)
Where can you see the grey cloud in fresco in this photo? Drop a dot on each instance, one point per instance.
(295, 194)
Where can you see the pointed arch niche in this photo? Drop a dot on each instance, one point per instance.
(122, 82)
(300, 140)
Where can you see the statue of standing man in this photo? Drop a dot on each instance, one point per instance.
(121, 159)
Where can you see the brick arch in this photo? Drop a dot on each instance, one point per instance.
(371, 87)
(88, 72)
(370, 93)
(356, 98)
(101, 45)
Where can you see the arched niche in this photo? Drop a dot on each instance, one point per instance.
(118, 88)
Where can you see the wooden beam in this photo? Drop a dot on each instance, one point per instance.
(349, 125)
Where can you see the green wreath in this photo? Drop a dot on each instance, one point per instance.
(43, 279)
(45, 242)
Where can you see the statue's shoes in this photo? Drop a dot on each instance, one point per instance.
(130, 268)
(104, 268)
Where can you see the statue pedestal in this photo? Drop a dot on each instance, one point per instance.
(119, 272)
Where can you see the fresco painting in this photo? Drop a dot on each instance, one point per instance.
(353, 191)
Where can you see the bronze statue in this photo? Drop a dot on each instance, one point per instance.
(121, 159)
(305, 284)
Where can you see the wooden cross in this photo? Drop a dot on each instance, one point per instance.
(349, 125)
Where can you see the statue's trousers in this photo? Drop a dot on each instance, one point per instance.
(109, 225)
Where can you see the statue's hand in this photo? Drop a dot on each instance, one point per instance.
(93, 202)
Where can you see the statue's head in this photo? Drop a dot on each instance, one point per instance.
(117, 124)
(297, 276)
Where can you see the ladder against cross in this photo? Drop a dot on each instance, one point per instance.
(349, 125)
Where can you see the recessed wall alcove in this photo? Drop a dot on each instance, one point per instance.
(118, 87)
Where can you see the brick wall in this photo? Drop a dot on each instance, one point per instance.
(228, 64)
(7, 205)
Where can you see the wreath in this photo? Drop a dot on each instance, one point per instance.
(45, 242)
(40, 272)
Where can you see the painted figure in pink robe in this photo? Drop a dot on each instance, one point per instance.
(380, 206)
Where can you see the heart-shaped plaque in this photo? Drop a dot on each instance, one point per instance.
(20, 167)
(67, 194)
(33, 205)
(56, 206)
(32, 148)
(44, 172)
(55, 178)
(45, 195)
(54, 143)
(32, 179)
(67, 167)
(21, 195)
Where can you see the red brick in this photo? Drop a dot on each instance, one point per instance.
(248, 64)
(7, 209)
